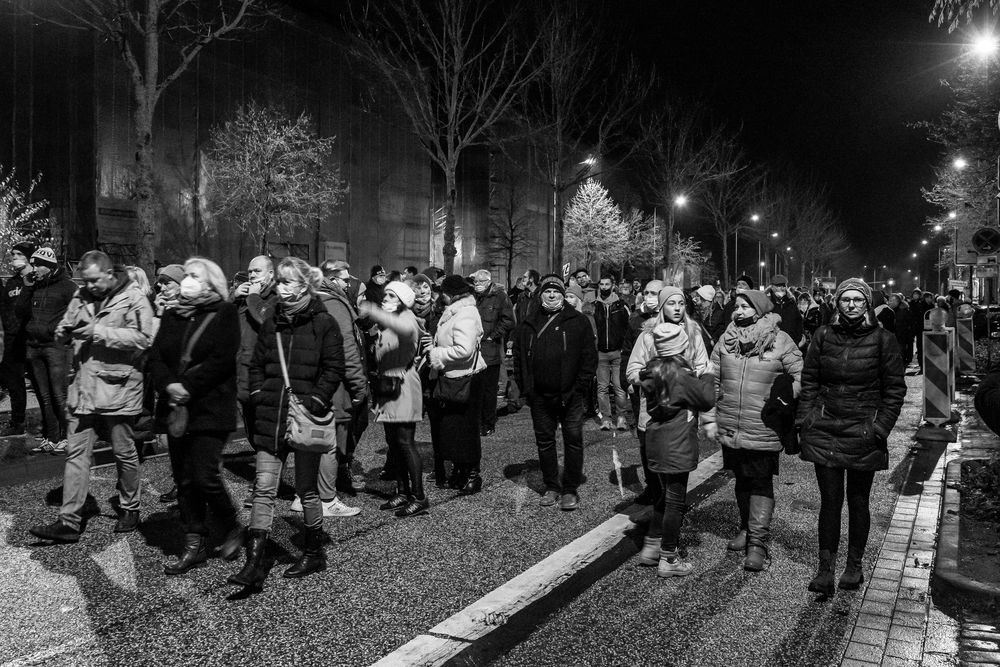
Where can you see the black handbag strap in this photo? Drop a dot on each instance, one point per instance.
(186, 357)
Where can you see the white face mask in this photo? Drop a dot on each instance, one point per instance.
(191, 287)
(288, 292)
(19, 263)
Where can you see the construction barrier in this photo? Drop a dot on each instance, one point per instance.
(966, 346)
(939, 378)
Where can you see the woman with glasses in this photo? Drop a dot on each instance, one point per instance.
(749, 358)
(852, 392)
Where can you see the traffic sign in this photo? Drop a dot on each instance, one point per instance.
(986, 240)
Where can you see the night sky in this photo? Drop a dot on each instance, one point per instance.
(826, 87)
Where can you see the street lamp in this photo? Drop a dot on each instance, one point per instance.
(960, 163)
(736, 245)
(984, 46)
(923, 241)
(680, 201)
(951, 216)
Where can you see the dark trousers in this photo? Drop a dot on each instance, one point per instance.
(355, 429)
(491, 383)
(196, 461)
(831, 492)
(49, 375)
(668, 511)
(906, 349)
(402, 442)
(652, 478)
(12, 377)
(751, 486)
(546, 413)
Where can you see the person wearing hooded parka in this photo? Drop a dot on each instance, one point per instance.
(852, 391)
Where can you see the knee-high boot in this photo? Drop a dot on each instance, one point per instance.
(758, 532)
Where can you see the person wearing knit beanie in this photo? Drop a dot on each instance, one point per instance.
(669, 339)
(402, 292)
(574, 296)
(853, 299)
(855, 284)
(455, 286)
(26, 248)
(174, 272)
(668, 292)
(745, 279)
(757, 300)
(706, 292)
(44, 257)
(552, 281)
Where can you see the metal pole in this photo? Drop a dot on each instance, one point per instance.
(736, 253)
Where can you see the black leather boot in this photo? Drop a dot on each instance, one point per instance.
(313, 557)
(253, 573)
(458, 478)
(853, 577)
(758, 533)
(473, 482)
(823, 581)
(194, 555)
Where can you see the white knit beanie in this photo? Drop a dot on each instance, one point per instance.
(403, 291)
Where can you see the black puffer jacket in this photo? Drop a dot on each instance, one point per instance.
(211, 375)
(49, 300)
(852, 391)
(497, 315)
(791, 319)
(15, 305)
(314, 352)
(564, 357)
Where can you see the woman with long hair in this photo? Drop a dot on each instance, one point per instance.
(192, 363)
(853, 388)
(398, 396)
(313, 350)
(751, 354)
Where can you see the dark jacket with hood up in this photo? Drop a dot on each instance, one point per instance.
(314, 354)
(852, 391)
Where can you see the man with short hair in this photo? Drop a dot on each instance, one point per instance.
(497, 315)
(555, 359)
(525, 308)
(410, 272)
(110, 326)
(15, 309)
(253, 299)
(51, 295)
(611, 323)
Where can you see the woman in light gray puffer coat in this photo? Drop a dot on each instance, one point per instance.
(752, 353)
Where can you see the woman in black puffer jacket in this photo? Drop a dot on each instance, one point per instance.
(852, 392)
(314, 352)
(206, 386)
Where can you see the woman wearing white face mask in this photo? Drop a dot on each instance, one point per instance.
(203, 380)
(313, 350)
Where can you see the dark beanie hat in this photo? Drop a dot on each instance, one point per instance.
(552, 281)
(855, 284)
(455, 285)
(758, 300)
(26, 248)
(746, 279)
(378, 268)
(421, 279)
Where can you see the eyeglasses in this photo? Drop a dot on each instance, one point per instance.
(857, 301)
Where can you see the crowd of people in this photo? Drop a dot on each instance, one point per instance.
(808, 372)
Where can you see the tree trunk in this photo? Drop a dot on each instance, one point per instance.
(667, 268)
(449, 249)
(144, 192)
(725, 259)
(802, 275)
(557, 228)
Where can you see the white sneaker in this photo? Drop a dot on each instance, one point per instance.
(296, 505)
(45, 446)
(59, 447)
(336, 508)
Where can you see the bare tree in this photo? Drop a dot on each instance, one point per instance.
(580, 112)
(683, 152)
(728, 200)
(594, 228)
(509, 220)
(455, 71)
(148, 34)
(271, 173)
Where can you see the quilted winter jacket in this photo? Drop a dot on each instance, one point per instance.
(744, 384)
(611, 318)
(108, 364)
(353, 390)
(395, 356)
(672, 433)
(49, 299)
(852, 391)
(458, 334)
(314, 354)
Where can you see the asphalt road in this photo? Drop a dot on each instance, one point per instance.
(105, 600)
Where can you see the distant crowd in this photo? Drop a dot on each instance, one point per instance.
(288, 348)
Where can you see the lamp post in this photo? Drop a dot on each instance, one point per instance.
(680, 201)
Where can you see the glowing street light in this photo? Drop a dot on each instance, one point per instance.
(960, 164)
(774, 235)
(984, 46)
(681, 201)
(923, 241)
(914, 255)
(937, 228)
(951, 215)
(755, 218)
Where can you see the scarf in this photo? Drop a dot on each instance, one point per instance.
(752, 339)
(289, 309)
(423, 311)
(186, 307)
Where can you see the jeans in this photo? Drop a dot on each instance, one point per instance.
(265, 489)
(608, 376)
(831, 492)
(196, 461)
(668, 511)
(491, 384)
(326, 482)
(12, 376)
(49, 374)
(80, 455)
(546, 413)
